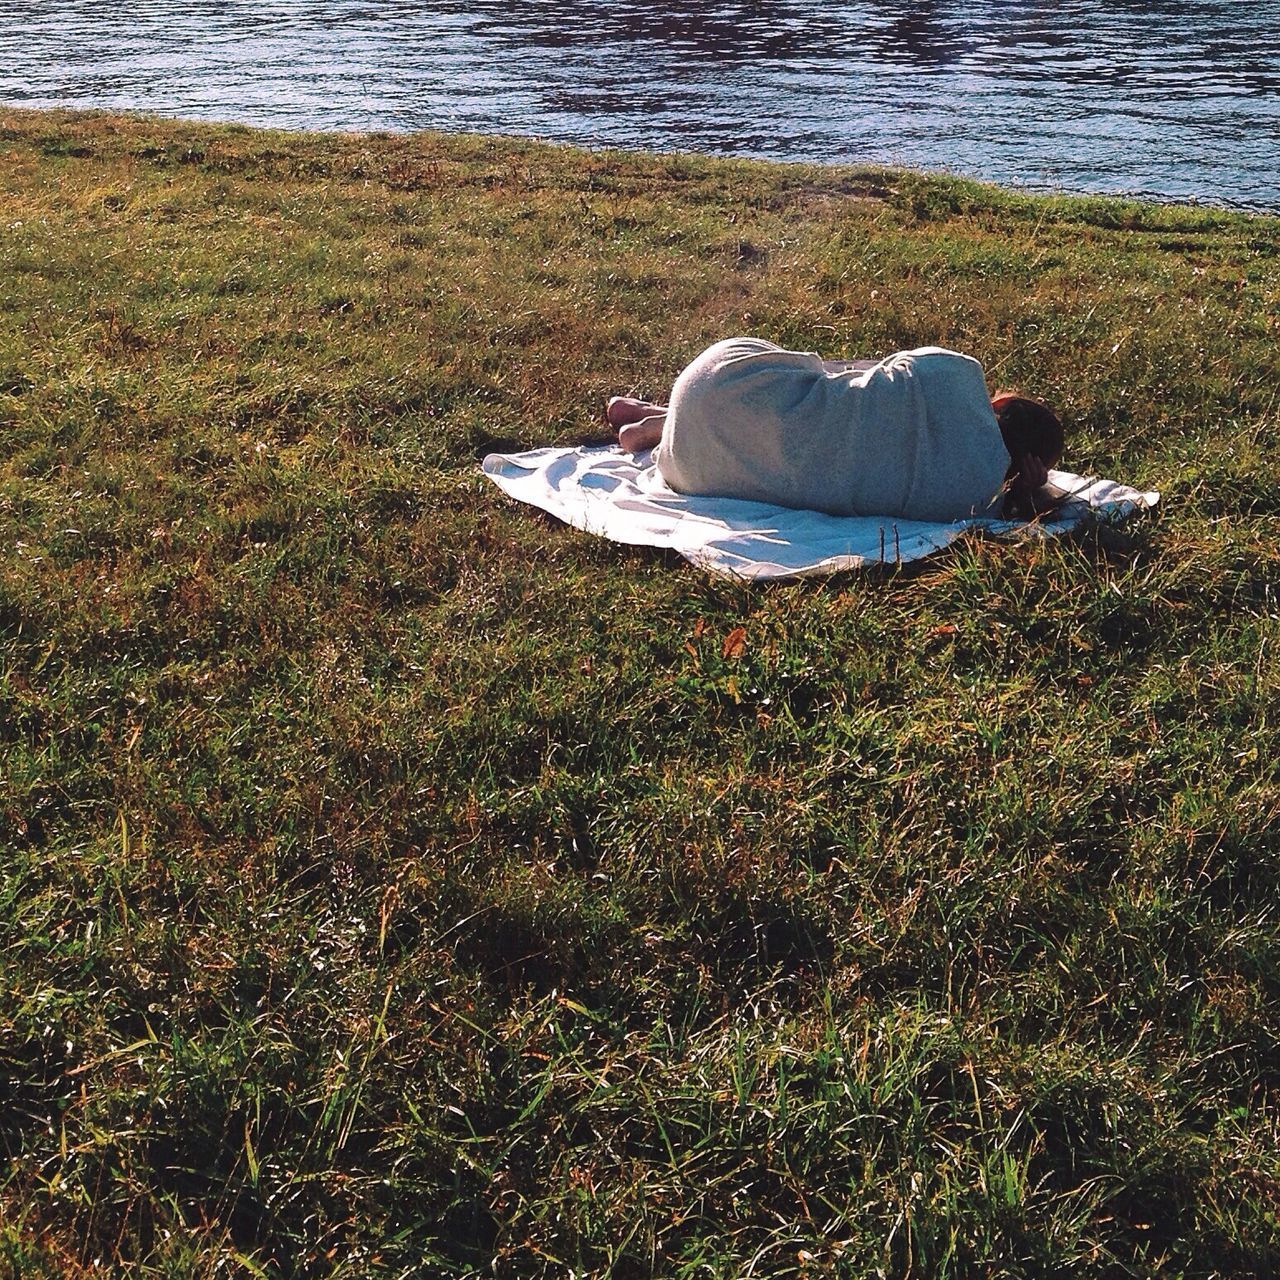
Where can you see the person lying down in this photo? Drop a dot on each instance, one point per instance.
(915, 435)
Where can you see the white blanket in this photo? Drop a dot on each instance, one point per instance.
(620, 496)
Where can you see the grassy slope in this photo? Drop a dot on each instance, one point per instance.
(394, 881)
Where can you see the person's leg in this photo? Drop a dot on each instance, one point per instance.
(635, 437)
(622, 410)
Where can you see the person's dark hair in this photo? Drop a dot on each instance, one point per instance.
(1028, 426)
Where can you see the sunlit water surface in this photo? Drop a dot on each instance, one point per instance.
(1168, 98)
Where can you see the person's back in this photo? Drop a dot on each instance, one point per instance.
(914, 436)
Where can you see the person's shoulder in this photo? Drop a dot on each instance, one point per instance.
(937, 367)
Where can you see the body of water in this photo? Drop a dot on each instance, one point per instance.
(1165, 98)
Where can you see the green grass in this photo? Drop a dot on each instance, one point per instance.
(396, 882)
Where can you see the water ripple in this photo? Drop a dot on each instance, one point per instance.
(1169, 98)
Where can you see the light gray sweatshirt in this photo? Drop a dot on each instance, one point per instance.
(914, 436)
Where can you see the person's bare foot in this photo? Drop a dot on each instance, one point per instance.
(635, 437)
(622, 410)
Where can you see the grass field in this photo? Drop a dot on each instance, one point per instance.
(395, 882)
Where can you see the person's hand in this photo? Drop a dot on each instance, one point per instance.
(1034, 474)
(1031, 476)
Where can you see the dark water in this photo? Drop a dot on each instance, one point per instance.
(1166, 98)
